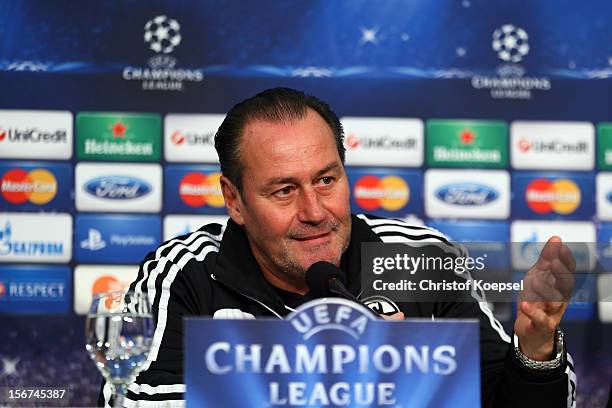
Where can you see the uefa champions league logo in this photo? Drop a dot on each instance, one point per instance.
(162, 34)
(510, 43)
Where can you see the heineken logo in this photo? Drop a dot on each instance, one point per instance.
(444, 154)
(458, 143)
(118, 136)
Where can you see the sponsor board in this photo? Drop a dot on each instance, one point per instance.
(552, 145)
(604, 241)
(190, 138)
(194, 189)
(177, 225)
(393, 193)
(604, 196)
(118, 136)
(118, 187)
(467, 143)
(115, 238)
(30, 134)
(93, 279)
(488, 239)
(604, 294)
(35, 186)
(553, 195)
(529, 238)
(604, 146)
(37, 238)
(473, 231)
(467, 194)
(35, 289)
(318, 356)
(372, 141)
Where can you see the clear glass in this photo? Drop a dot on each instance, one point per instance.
(118, 335)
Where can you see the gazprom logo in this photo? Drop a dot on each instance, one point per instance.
(118, 187)
(466, 194)
(331, 314)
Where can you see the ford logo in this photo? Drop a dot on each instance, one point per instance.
(118, 187)
(466, 194)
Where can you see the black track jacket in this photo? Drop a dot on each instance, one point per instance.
(212, 272)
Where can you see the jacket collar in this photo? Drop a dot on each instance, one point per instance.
(237, 268)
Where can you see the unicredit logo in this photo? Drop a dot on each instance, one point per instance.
(554, 146)
(179, 138)
(466, 194)
(33, 135)
(118, 187)
(379, 142)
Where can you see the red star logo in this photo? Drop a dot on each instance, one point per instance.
(467, 136)
(118, 129)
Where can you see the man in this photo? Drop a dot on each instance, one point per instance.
(287, 193)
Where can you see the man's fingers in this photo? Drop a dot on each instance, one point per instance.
(550, 250)
(565, 254)
(539, 318)
(394, 316)
(545, 289)
(564, 278)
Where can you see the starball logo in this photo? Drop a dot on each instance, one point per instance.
(162, 36)
(511, 45)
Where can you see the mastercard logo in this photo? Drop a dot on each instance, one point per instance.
(390, 193)
(2, 289)
(199, 189)
(560, 196)
(19, 186)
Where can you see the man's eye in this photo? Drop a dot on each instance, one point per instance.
(284, 191)
(326, 180)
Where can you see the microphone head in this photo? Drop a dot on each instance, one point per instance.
(319, 275)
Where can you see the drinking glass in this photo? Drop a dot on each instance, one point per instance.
(118, 333)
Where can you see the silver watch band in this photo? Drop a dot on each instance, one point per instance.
(557, 361)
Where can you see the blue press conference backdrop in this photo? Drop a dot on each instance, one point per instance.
(488, 120)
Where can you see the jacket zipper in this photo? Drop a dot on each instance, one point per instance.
(212, 275)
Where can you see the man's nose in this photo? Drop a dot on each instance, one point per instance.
(310, 209)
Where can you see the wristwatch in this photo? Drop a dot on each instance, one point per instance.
(558, 358)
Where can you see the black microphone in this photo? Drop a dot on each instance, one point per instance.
(325, 279)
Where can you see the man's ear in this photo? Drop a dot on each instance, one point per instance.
(233, 200)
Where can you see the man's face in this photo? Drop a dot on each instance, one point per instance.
(295, 201)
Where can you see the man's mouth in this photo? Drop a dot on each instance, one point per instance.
(311, 237)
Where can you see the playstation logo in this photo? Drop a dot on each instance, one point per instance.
(94, 241)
